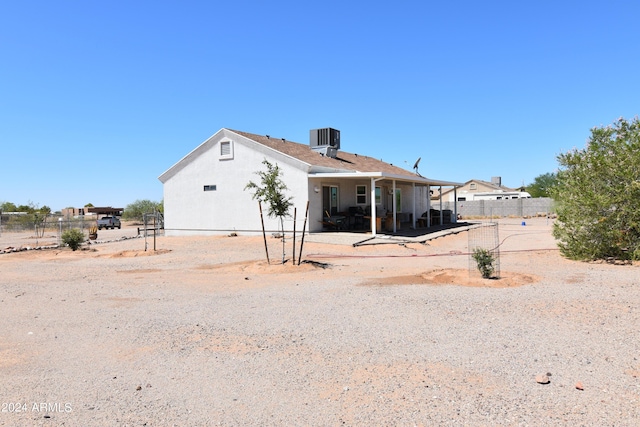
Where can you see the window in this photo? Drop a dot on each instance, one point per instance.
(361, 194)
(226, 150)
(210, 188)
(462, 199)
(378, 196)
(472, 186)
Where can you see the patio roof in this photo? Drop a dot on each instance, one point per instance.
(383, 175)
(108, 210)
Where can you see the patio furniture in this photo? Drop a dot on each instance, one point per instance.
(389, 222)
(435, 216)
(356, 217)
(336, 222)
(379, 221)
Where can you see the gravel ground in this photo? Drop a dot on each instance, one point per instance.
(204, 332)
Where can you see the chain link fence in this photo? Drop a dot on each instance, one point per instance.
(40, 224)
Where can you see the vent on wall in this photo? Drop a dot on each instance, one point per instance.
(326, 141)
(226, 150)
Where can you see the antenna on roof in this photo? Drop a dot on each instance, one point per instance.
(415, 166)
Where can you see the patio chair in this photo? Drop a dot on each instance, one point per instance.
(356, 217)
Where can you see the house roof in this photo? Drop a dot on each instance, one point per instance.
(105, 210)
(344, 165)
(490, 184)
(492, 187)
(344, 161)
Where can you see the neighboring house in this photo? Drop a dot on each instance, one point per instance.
(74, 212)
(477, 189)
(204, 192)
(90, 211)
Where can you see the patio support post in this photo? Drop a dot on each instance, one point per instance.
(393, 204)
(428, 206)
(413, 207)
(373, 207)
(373, 204)
(440, 199)
(455, 205)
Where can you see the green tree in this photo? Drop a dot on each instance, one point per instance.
(136, 210)
(542, 185)
(597, 191)
(271, 190)
(30, 208)
(8, 207)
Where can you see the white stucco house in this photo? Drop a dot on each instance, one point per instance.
(204, 192)
(477, 189)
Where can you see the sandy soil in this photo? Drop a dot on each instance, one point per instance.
(203, 331)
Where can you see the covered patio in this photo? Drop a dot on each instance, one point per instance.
(395, 205)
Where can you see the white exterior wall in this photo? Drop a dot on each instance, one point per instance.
(314, 223)
(422, 200)
(451, 197)
(188, 209)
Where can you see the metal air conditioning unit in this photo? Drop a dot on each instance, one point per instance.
(326, 141)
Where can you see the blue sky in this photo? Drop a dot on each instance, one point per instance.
(97, 99)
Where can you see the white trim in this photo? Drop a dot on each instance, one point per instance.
(381, 175)
(363, 194)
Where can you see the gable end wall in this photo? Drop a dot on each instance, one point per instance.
(191, 210)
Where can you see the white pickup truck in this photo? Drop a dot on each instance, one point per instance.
(109, 222)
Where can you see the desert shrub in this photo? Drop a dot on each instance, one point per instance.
(73, 238)
(598, 189)
(485, 259)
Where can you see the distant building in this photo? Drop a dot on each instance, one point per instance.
(75, 212)
(91, 211)
(477, 189)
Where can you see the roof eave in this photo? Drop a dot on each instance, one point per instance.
(382, 175)
(180, 164)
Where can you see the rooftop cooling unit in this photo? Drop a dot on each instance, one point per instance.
(326, 141)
